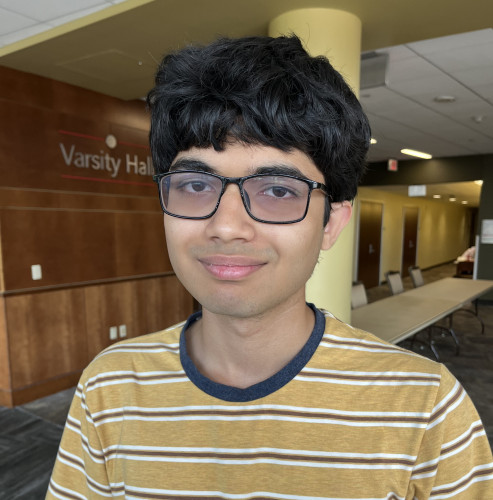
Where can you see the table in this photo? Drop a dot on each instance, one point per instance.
(397, 317)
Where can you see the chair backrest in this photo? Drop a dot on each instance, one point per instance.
(358, 295)
(394, 281)
(416, 276)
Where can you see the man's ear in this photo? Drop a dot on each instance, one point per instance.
(339, 217)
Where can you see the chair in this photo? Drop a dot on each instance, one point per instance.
(394, 281)
(416, 276)
(358, 295)
(417, 279)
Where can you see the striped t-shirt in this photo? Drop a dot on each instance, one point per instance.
(350, 417)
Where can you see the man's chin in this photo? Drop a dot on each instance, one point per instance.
(234, 308)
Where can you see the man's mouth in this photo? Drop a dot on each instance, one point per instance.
(227, 267)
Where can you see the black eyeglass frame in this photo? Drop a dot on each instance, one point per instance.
(239, 182)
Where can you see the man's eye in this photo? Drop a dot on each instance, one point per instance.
(281, 192)
(194, 186)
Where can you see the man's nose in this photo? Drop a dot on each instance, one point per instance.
(231, 220)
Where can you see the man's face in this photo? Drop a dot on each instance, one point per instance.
(236, 266)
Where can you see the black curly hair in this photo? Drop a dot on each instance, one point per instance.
(260, 90)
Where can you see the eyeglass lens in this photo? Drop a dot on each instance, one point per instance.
(269, 198)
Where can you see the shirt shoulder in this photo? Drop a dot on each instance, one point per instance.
(362, 348)
(155, 351)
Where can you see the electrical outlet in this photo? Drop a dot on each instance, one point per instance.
(122, 330)
(113, 332)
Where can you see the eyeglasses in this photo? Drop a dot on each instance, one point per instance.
(273, 199)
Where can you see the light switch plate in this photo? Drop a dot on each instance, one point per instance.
(36, 272)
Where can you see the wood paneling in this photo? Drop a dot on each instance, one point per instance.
(163, 302)
(143, 306)
(107, 306)
(32, 198)
(84, 225)
(79, 246)
(47, 335)
(4, 350)
(44, 388)
(42, 92)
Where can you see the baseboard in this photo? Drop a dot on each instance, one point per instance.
(24, 395)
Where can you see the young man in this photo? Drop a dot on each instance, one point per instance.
(259, 148)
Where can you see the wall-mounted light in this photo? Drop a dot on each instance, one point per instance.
(452, 198)
(419, 154)
(373, 140)
(437, 196)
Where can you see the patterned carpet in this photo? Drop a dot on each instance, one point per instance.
(29, 434)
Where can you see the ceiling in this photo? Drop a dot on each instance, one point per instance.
(466, 193)
(442, 47)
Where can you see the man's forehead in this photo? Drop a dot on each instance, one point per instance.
(240, 159)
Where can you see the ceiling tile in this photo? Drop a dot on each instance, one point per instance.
(49, 9)
(473, 56)
(477, 77)
(452, 42)
(410, 68)
(23, 33)
(75, 15)
(12, 21)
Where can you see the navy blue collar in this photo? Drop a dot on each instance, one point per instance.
(264, 388)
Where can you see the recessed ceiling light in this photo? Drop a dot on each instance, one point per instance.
(479, 182)
(452, 198)
(419, 154)
(373, 141)
(444, 98)
(477, 118)
(437, 196)
(464, 202)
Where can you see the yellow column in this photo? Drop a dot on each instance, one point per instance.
(335, 34)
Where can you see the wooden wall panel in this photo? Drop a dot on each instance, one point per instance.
(140, 244)
(47, 335)
(107, 306)
(4, 350)
(80, 246)
(84, 226)
(163, 301)
(33, 198)
(43, 92)
(144, 306)
(41, 146)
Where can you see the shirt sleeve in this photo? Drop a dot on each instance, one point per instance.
(454, 460)
(80, 467)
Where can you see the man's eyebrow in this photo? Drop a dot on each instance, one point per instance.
(273, 169)
(191, 164)
(279, 170)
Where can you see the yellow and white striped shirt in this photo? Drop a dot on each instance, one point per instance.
(351, 417)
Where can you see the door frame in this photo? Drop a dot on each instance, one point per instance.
(356, 238)
(404, 207)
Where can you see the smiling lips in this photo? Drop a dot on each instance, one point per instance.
(225, 267)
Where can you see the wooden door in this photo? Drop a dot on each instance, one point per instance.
(409, 239)
(370, 236)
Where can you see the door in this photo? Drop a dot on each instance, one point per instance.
(370, 236)
(410, 238)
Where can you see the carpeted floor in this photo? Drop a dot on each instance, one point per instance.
(29, 434)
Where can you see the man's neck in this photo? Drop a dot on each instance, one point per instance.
(241, 352)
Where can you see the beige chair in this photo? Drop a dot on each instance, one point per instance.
(358, 295)
(394, 281)
(416, 276)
